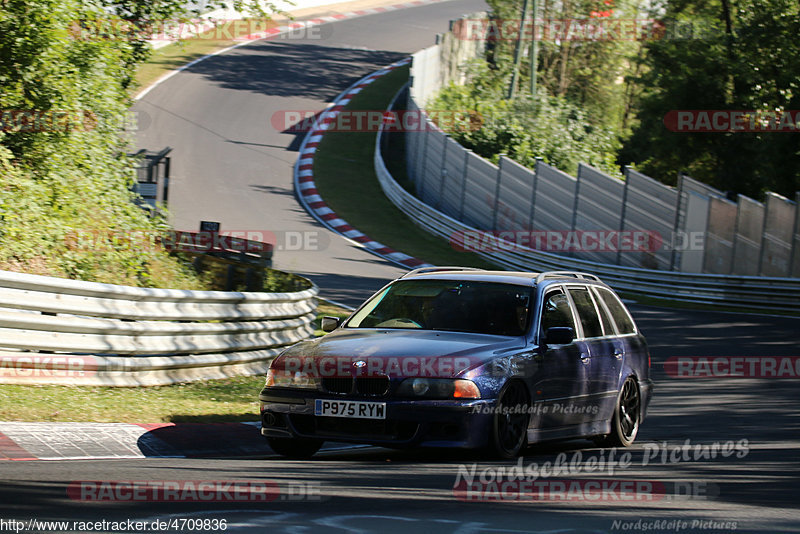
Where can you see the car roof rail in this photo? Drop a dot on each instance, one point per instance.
(566, 274)
(423, 270)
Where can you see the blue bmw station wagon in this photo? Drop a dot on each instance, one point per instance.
(459, 357)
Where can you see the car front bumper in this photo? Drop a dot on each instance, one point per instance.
(408, 423)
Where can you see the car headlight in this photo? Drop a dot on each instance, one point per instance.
(438, 388)
(285, 379)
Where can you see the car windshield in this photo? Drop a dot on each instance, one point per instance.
(453, 305)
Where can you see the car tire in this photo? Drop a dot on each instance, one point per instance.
(627, 416)
(295, 448)
(509, 431)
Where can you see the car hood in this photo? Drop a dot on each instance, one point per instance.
(396, 353)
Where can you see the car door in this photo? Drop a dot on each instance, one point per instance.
(562, 380)
(592, 346)
(624, 344)
(606, 354)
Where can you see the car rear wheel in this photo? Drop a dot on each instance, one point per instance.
(627, 414)
(296, 448)
(510, 422)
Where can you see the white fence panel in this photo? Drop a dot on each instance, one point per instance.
(599, 209)
(650, 206)
(555, 199)
(776, 251)
(452, 179)
(516, 193)
(749, 231)
(479, 193)
(720, 236)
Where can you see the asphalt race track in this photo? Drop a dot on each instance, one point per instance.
(231, 167)
(751, 483)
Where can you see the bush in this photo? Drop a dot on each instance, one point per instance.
(551, 127)
(68, 174)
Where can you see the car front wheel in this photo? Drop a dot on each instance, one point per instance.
(510, 422)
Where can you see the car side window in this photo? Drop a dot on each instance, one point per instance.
(618, 312)
(556, 311)
(586, 311)
(605, 319)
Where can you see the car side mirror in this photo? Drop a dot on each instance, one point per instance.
(329, 324)
(559, 335)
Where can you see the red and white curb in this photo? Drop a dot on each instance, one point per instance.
(307, 190)
(287, 28)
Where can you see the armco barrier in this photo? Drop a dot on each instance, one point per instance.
(743, 292)
(57, 331)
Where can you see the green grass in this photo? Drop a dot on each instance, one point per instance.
(211, 401)
(232, 399)
(346, 179)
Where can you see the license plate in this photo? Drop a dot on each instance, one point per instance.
(352, 409)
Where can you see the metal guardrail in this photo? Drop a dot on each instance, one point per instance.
(57, 331)
(243, 262)
(743, 292)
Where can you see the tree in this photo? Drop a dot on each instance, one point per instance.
(63, 168)
(742, 55)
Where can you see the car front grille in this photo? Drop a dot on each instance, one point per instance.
(371, 386)
(335, 384)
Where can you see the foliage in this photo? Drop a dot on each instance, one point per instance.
(64, 172)
(587, 72)
(611, 96)
(552, 127)
(747, 59)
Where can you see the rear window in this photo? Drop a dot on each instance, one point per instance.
(618, 312)
(586, 311)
